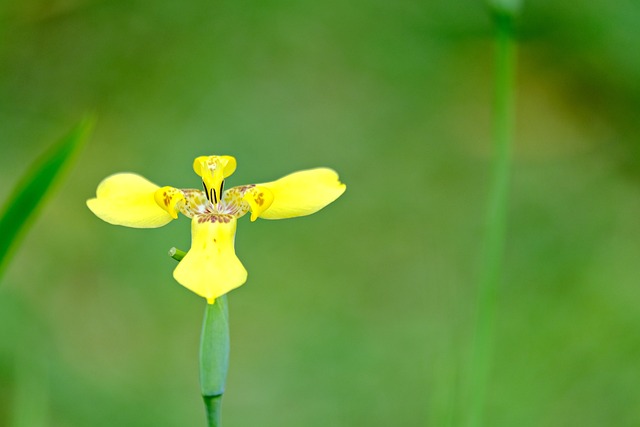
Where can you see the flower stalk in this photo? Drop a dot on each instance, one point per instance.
(496, 221)
(214, 357)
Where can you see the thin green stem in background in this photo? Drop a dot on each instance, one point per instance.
(495, 232)
(214, 357)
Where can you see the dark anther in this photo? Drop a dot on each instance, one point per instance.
(206, 191)
(214, 196)
(221, 188)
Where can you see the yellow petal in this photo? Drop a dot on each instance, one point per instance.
(213, 170)
(170, 199)
(228, 164)
(302, 193)
(211, 267)
(259, 199)
(128, 199)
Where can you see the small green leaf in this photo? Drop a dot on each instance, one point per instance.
(37, 182)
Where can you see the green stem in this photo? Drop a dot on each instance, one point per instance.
(214, 357)
(213, 406)
(177, 254)
(495, 232)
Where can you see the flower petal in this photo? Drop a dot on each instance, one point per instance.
(302, 193)
(259, 199)
(170, 199)
(213, 170)
(196, 203)
(211, 267)
(228, 164)
(128, 199)
(237, 201)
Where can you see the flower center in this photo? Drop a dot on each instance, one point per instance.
(213, 195)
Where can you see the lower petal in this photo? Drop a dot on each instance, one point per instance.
(211, 267)
(128, 199)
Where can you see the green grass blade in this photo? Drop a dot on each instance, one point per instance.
(34, 186)
(496, 221)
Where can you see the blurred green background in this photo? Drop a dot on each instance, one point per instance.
(360, 315)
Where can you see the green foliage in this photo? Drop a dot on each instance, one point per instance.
(35, 185)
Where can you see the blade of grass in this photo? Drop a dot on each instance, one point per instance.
(35, 185)
(496, 225)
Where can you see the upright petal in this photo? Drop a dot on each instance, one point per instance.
(228, 164)
(211, 267)
(213, 170)
(302, 193)
(128, 199)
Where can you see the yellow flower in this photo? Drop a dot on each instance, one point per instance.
(211, 268)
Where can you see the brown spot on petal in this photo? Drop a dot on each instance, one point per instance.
(243, 188)
(213, 218)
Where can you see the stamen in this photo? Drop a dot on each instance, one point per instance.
(206, 191)
(221, 188)
(214, 196)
